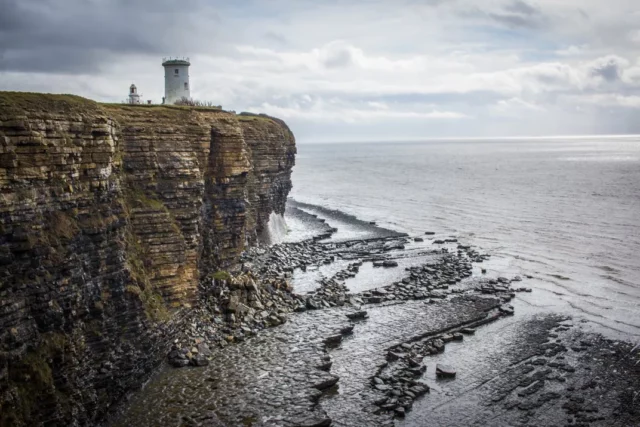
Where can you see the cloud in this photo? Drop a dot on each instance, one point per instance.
(77, 36)
(359, 67)
(339, 111)
(573, 50)
(276, 37)
(609, 68)
(607, 100)
(518, 14)
(515, 107)
(337, 55)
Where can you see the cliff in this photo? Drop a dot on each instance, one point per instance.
(110, 218)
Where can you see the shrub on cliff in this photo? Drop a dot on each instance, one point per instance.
(196, 103)
(221, 275)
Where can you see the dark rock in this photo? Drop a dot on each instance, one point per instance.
(200, 360)
(445, 371)
(415, 362)
(506, 309)
(358, 315)
(438, 345)
(333, 340)
(327, 383)
(347, 330)
(419, 389)
(391, 356)
(312, 421)
(325, 366)
(179, 363)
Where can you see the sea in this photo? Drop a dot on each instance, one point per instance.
(563, 212)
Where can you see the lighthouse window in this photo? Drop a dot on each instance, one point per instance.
(186, 86)
(133, 90)
(177, 71)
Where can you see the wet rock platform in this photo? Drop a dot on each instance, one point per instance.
(389, 330)
(542, 370)
(287, 375)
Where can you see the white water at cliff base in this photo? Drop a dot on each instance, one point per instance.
(276, 231)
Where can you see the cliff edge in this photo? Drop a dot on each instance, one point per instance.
(110, 218)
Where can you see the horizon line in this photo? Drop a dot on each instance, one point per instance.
(473, 138)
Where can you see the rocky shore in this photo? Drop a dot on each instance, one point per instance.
(356, 348)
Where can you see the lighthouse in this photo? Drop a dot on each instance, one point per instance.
(134, 97)
(176, 79)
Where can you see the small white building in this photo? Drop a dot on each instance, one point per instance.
(134, 97)
(176, 79)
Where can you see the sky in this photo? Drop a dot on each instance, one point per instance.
(348, 70)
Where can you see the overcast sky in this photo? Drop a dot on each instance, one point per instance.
(348, 69)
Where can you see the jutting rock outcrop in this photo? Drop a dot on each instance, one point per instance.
(110, 218)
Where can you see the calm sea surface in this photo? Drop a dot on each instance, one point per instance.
(566, 212)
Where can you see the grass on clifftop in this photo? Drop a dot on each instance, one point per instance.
(46, 102)
(159, 106)
(250, 117)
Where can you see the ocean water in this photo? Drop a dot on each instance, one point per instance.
(564, 211)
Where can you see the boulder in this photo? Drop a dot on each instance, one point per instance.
(358, 315)
(347, 330)
(445, 371)
(333, 340)
(326, 383)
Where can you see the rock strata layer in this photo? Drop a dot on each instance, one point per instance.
(111, 216)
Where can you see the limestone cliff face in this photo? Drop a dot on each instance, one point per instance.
(110, 216)
(271, 150)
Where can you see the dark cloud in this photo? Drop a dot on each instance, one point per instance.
(521, 8)
(583, 14)
(276, 37)
(339, 57)
(610, 69)
(516, 14)
(78, 36)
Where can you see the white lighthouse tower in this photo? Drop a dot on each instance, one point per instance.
(134, 97)
(176, 79)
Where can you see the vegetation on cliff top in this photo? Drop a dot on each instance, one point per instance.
(73, 104)
(162, 107)
(45, 102)
(184, 101)
(250, 117)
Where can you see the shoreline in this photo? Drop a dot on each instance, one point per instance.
(315, 382)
